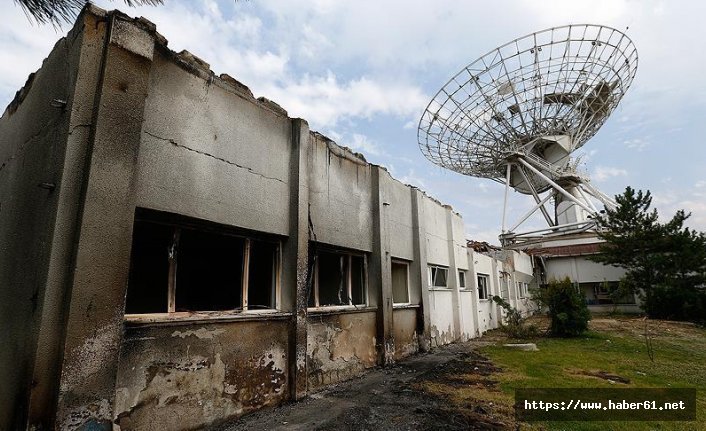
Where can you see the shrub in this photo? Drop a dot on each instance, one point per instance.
(567, 308)
(513, 325)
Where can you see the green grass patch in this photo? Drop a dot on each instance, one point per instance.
(680, 362)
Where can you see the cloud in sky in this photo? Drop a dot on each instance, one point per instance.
(604, 173)
(363, 71)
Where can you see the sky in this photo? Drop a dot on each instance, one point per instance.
(362, 72)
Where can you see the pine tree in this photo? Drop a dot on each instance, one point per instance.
(665, 262)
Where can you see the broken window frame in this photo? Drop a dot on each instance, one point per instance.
(179, 223)
(348, 255)
(431, 277)
(409, 293)
(483, 281)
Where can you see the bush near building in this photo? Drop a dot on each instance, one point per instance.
(567, 308)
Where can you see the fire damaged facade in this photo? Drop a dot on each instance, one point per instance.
(177, 252)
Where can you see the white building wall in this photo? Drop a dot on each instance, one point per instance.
(581, 270)
(483, 264)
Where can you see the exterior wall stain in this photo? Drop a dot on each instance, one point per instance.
(184, 379)
(82, 418)
(440, 337)
(339, 347)
(404, 330)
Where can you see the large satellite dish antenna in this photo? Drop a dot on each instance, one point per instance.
(516, 114)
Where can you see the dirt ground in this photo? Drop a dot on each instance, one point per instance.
(393, 398)
(431, 391)
(639, 326)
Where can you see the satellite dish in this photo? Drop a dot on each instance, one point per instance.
(516, 115)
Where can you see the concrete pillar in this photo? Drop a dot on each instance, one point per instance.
(379, 271)
(91, 26)
(453, 273)
(418, 269)
(495, 289)
(296, 258)
(94, 326)
(474, 282)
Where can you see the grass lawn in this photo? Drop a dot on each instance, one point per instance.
(616, 346)
(613, 345)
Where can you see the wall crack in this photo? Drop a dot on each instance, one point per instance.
(220, 159)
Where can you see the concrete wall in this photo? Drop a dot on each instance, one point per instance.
(442, 246)
(404, 331)
(339, 346)
(43, 141)
(207, 161)
(399, 219)
(199, 162)
(437, 234)
(487, 310)
(146, 128)
(520, 267)
(340, 196)
(180, 376)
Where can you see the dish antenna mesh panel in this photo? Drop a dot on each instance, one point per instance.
(563, 81)
(517, 114)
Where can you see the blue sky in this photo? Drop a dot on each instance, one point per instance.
(362, 73)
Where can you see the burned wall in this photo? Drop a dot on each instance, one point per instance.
(340, 345)
(398, 216)
(437, 235)
(340, 184)
(151, 129)
(185, 376)
(211, 151)
(404, 332)
(201, 155)
(398, 227)
(38, 205)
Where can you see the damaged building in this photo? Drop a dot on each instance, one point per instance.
(177, 252)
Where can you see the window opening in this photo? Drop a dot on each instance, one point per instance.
(438, 276)
(262, 275)
(149, 269)
(340, 279)
(462, 279)
(482, 286)
(177, 266)
(209, 272)
(400, 282)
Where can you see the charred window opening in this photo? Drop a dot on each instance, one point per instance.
(482, 286)
(438, 276)
(340, 279)
(149, 269)
(357, 271)
(262, 275)
(209, 271)
(184, 265)
(400, 282)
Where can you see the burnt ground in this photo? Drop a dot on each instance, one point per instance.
(421, 393)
